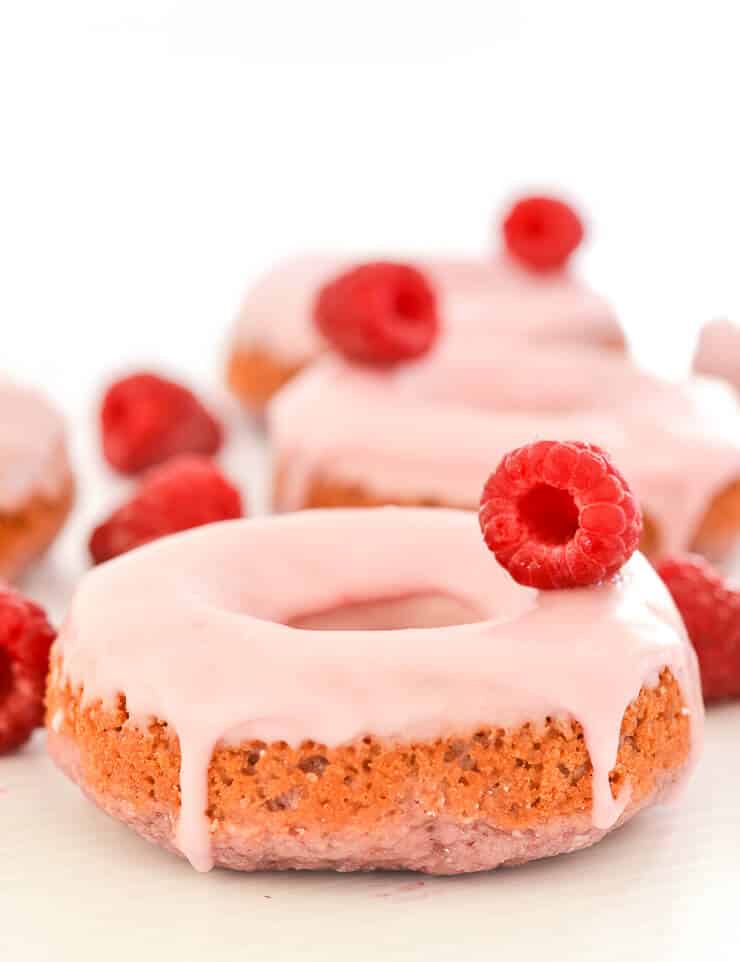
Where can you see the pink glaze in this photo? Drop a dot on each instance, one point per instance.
(33, 458)
(437, 428)
(718, 351)
(194, 629)
(482, 300)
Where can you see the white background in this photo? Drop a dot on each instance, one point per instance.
(153, 157)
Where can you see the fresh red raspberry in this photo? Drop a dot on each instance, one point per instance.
(147, 419)
(542, 232)
(25, 639)
(186, 492)
(379, 313)
(710, 609)
(559, 515)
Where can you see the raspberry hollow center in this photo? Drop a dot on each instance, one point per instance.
(550, 513)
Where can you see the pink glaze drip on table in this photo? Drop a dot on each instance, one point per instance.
(33, 458)
(195, 630)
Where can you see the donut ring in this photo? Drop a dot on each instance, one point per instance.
(222, 693)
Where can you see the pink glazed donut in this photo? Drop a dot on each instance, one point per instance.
(483, 301)
(367, 689)
(425, 433)
(36, 485)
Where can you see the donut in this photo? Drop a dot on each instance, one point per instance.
(718, 351)
(367, 689)
(424, 434)
(36, 485)
(482, 300)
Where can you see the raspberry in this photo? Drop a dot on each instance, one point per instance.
(542, 232)
(186, 492)
(378, 313)
(559, 515)
(710, 609)
(146, 419)
(25, 640)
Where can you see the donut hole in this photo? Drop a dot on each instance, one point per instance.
(550, 513)
(389, 614)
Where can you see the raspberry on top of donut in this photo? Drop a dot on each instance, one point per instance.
(542, 232)
(25, 640)
(146, 419)
(710, 608)
(559, 515)
(379, 313)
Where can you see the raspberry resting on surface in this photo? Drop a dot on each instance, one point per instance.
(186, 492)
(378, 313)
(542, 232)
(559, 515)
(710, 608)
(25, 640)
(146, 419)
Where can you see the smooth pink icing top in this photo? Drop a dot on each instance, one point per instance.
(436, 429)
(482, 299)
(33, 458)
(196, 629)
(718, 351)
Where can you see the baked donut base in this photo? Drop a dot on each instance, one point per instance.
(716, 537)
(446, 806)
(26, 534)
(254, 375)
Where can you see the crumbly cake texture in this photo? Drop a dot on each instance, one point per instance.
(254, 375)
(462, 803)
(27, 533)
(715, 538)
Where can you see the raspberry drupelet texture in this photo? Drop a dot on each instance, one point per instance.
(146, 419)
(25, 640)
(559, 515)
(378, 313)
(186, 492)
(710, 609)
(542, 232)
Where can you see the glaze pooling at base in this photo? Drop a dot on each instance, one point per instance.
(194, 630)
(33, 458)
